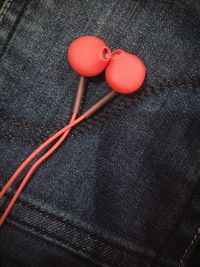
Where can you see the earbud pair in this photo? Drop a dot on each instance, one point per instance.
(89, 56)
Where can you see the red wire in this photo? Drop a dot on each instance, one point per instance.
(27, 161)
(87, 113)
(64, 130)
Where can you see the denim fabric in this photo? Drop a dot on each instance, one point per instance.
(124, 188)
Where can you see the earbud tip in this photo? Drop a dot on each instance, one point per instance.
(88, 55)
(125, 72)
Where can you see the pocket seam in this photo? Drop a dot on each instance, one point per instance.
(97, 119)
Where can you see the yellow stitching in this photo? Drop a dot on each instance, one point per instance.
(188, 248)
(5, 8)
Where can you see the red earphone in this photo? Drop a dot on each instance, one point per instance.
(125, 72)
(88, 56)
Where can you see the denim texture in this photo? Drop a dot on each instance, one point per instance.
(124, 189)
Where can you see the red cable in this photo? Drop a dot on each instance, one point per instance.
(27, 161)
(88, 113)
(64, 130)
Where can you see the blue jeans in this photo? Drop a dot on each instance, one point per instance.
(124, 189)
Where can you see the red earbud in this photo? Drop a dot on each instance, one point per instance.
(125, 72)
(88, 55)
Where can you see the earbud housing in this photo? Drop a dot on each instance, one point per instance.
(125, 72)
(88, 55)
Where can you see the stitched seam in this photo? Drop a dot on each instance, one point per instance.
(150, 89)
(12, 137)
(61, 242)
(103, 115)
(4, 9)
(96, 237)
(189, 248)
(177, 223)
(14, 27)
(24, 124)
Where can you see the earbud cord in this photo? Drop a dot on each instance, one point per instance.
(89, 112)
(77, 103)
(33, 168)
(76, 108)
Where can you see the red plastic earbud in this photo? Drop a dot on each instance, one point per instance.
(125, 72)
(88, 55)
